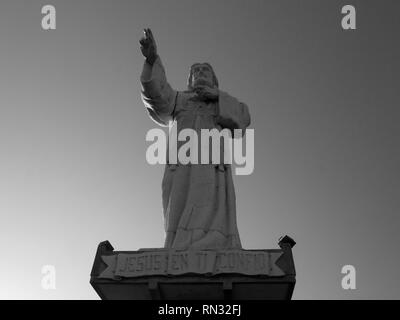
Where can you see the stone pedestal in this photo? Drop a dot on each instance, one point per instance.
(163, 274)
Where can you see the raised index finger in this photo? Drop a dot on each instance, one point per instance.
(150, 34)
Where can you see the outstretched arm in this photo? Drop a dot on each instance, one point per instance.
(157, 95)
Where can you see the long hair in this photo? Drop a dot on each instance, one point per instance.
(215, 80)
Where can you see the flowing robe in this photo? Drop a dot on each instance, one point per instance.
(199, 202)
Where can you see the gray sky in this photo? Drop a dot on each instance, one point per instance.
(324, 105)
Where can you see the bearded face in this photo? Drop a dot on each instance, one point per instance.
(202, 74)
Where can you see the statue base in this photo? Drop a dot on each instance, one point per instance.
(212, 274)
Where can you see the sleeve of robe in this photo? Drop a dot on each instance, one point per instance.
(232, 113)
(157, 95)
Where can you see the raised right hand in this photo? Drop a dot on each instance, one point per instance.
(148, 46)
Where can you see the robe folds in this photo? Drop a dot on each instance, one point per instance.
(199, 203)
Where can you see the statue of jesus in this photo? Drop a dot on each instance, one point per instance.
(199, 202)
